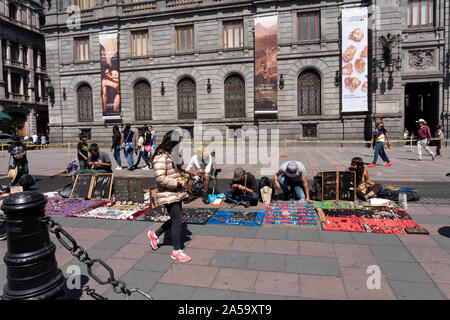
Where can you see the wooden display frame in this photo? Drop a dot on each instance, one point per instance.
(75, 184)
(337, 173)
(91, 186)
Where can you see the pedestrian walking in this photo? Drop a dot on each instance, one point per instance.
(141, 149)
(115, 148)
(170, 184)
(423, 140)
(379, 140)
(128, 143)
(82, 152)
(440, 135)
(149, 144)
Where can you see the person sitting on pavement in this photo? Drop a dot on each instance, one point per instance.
(366, 188)
(99, 161)
(292, 174)
(244, 189)
(199, 168)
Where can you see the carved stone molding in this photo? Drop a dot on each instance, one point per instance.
(421, 59)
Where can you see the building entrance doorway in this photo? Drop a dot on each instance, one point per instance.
(422, 102)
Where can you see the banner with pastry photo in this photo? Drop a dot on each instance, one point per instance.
(354, 60)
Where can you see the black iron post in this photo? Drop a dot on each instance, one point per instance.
(32, 272)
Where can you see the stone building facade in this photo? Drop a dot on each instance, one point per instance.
(22, 67)
(157, 75)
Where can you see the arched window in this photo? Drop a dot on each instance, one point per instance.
(187, 97)
(234, 97)
(85, 109)
(143, 101)
(309, 93)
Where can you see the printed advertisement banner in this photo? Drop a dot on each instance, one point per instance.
(354, 60)
(109, 64)
(266, 69)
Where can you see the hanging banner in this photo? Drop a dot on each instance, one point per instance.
(354, 60)
(109, 64)
(266, 68)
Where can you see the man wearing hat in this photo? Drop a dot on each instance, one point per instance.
(292, 174)
(423, 140)
(200, 166)
(244, 189)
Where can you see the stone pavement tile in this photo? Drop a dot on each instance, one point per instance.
(259, 296)
(100, 253)
(355, 282)
(247, 245)
(439, 272)
(418, 240)
(214, 230)
(321, 287)
(71, 222)
(113, 242)
(132, 251)
(153, 261)
(200, 257)
(445, 289)
(132, 228)
(231, 259)
(235, 279)
(241, 231)
(210, 242)
(419, 210)
(280, 246)
(112, 224)
(303, 234)
(354, 255)
(267, 262)
(388, 253)
(335, 236)
(438, 210)
(190, 275)
(320, 249)
(141, 238)
(433, 229)
(210, 294)
(162, 291)
(275, 283)
(326, 266)
(143, 280)
(88, 222)
(63, 256)
(376, 238)
(430, 255)
(404, 271)
(442, 240)
(2, 254)
(91, 234)
(272, 232)
(407, 290)
(432, 219)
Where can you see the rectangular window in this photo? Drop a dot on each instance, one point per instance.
(139, 43)
(81, 49)
(233, 34)
(420, 13)
(184, 38)
(309, 130)
(85, 4)
(308, 26)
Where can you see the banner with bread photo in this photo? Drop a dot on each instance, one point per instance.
(354, 59)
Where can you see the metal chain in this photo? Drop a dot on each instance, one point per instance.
(71, 245)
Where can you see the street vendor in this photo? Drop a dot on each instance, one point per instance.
(292, 174)
(365, 188)
(99, 160)
(243, 189)
(199, 169)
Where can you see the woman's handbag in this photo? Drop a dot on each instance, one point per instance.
(148, 148)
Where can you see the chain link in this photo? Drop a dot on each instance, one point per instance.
(118, 285)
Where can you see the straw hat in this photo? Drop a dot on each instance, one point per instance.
(12, 174)
(421, 120)
(203, 152)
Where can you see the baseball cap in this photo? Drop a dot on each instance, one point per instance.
(238, 173)
(291, 170)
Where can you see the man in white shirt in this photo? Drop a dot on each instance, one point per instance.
(200, 165)
(292, 174)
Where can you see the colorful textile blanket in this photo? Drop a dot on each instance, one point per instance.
(302, 214)
(116, 211)
(64, 207)
(241, 218)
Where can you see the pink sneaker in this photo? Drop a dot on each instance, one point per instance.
(153, 239)
(180, 255)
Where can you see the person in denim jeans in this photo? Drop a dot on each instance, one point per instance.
(128, 143)
(292, 174)
(380, 137)
(116, 138)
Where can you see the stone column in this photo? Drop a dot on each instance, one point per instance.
(39, 93)
(21, 54)
(38, 60)
(9, 83)
(31, 74)
(22, 79)
(8, 50)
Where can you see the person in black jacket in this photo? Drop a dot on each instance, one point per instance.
(116, 146)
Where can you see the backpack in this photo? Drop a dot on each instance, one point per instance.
(66, 191)
(27, 181)
(266, 182)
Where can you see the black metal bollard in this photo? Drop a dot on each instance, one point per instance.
(32, 271)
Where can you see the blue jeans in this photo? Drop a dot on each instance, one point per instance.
(380, 150)
(297, 185)
(117, 156)
(128, 151)
(237, 199)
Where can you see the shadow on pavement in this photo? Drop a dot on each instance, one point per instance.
(185, 236)
(444, 231)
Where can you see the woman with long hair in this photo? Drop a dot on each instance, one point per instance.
(170, 184)
(116, 146)
(365, 188)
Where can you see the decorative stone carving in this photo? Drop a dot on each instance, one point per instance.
(421, 59)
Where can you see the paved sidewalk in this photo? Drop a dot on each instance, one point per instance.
(270, 262)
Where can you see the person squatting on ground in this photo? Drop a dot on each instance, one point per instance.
(292, 174)
(379, 139)
(115, 148)
(128, 143)
(423, 140)
(99, 160)
(199, 170)
(142, 153)
(82, 151)
(170, 191)
(244, 189)
(365, 188)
